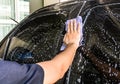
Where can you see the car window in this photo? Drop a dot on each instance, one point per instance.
(37, 40)
(2, 49)
(102, 38)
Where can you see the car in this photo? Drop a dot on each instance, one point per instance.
(39, 37)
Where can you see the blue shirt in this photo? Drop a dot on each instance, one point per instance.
(14, 73)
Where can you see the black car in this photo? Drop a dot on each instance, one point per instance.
(40, 35)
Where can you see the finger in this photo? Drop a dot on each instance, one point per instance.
(74, 25)
(68, 26)
(71, 26)
(79, 28)
(64, 38)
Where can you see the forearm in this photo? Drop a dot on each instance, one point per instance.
(66, 57)
(54, 69)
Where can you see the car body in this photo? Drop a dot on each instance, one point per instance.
(40, 35)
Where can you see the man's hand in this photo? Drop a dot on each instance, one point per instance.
(73, 34)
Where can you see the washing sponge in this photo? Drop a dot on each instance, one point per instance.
(79, 20)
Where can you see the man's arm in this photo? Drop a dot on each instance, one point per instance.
(56, 68)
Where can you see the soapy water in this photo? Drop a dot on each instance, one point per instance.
(103, 42)
(101, 39)
(96, 62)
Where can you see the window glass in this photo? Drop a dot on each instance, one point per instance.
(102, 39)
(11, 10)
(7, 9)
(37, 40)
(23, 4)
(2, 49)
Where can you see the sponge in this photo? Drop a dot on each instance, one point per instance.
(79, 20)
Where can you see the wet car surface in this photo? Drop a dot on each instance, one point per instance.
(39, 37)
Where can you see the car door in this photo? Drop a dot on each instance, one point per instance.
(97, 61)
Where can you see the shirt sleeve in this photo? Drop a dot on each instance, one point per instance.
(14, 73)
